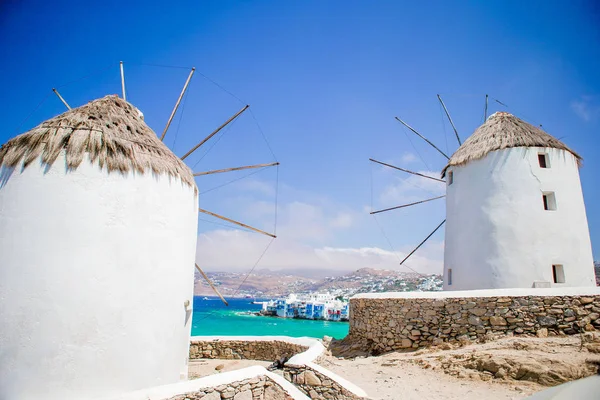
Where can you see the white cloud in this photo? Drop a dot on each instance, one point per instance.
(412, 188)
(586, 108)
(231, 250)
(408, 158)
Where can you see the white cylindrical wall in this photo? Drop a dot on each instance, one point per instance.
(498, 234)
(96, 269)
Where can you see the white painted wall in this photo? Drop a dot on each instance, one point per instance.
(95, 269)
(498, 234)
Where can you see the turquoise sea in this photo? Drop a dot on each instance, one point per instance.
(212, 317)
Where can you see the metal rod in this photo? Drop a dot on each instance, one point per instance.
(123, 80)
(486, 107)
(405, 170)
(215, 132)
(406, 205)
(218, 171)
(421, 244)
(211, 285)
(61, 99)
(450, 119)
(236, 222)
(422, 137)
(187, 82)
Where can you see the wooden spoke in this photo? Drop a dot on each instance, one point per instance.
(406, 170)
(421, 244)
(215, 132)
(187, 82)
(218, 171)
(61, 99)
(406, 205)
(422, 137)
(123, 80)
(236, 222)
(449, 119)
(211, 284)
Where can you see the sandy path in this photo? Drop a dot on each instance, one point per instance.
(204, 367)
(383, 379)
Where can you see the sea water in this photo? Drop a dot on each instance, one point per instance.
(212, 317)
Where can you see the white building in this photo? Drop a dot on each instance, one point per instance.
(515, 211)
(98, 223)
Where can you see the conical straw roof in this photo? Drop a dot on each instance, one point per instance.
(110, 130)
(502, 131)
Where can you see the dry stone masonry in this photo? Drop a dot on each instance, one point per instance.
(389, 324)
(247, 350)
(316, 385)
(259, 388)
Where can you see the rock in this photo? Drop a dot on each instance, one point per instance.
(497, 321)
(478, 311)
(245, 395)
(593, 347)
(547, 321)
(406, 343)
(212, 396)
(220, 367)
(586, 300)
(542, 333)
(474, 320)
(311, 379)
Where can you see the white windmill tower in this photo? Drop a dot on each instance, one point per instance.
(98, 231)
(515, 215)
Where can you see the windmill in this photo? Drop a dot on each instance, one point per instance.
(200, 174)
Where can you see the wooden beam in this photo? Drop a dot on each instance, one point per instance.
(486, 107)
(406, 205)
(236, 222)
(211, 284)
(450, 119)
(61, 99)
(405, 170)
(123, 80)
(218, 171)
(422, 137)
(421, 244)
(187, 82)
(215, 132)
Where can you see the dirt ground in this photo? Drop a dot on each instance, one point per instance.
(509, 368)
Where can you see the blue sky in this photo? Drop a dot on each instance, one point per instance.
(324, 81)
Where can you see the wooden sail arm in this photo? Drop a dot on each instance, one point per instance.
(211, 284)
(405, 205)
(206, 139)
(422, 137)
(407, 171)
(218, 171)
(236, 222)
(421, 244)
(450, 119)
(61, 98)
(187, 82)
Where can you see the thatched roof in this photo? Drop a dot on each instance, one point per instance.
(502, 131)
(110, 130)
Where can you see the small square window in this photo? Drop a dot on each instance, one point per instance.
(450, 177)
(549, 200)
(558, 273)
(449, 276)
(543, 160)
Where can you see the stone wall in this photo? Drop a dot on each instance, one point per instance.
(316, 385)
(395, 322)
(258, 388)
(248, 350)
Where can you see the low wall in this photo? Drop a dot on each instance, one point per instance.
(265, 350)
(311, 379)
(383, 322)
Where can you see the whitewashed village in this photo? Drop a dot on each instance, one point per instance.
(100, 262)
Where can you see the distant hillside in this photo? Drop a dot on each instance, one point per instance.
(265, 283)
(597, 270)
